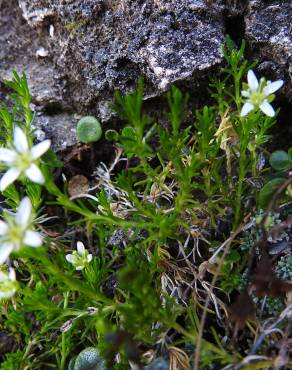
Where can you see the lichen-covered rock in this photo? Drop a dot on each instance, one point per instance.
(77, 52)
(269, 33)
(19, 51)
(35, 11)
(60, 128)
(107, 45)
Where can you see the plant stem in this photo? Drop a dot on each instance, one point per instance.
(64, 348)
(237, 88)
(241, 176)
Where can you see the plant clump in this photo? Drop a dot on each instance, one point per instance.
(173, 253)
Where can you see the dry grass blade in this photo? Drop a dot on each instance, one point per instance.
(227, 245)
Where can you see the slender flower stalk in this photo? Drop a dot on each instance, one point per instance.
(259, 95)
(15, 231)
(80, 258)
(20, 159)
(8, 284)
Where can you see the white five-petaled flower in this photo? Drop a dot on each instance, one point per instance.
(16, 232)
(259, 95)
(21, 159)
(8, 284)
(80, 258)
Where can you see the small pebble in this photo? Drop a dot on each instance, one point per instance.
(42, 52)
(51, 31)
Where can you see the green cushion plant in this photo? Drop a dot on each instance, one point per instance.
(88, 359)
(88, 129)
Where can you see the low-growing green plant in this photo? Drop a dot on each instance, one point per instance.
(129, 275)
(281, 162)
(88, 129)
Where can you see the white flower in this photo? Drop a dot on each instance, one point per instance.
(259, 95)
(8, 284)
(80, 258)
(16, 233)
(21, 159)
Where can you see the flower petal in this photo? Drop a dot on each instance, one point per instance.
(12, 275)
(8, 178)
(39, 149)
(5, 250)
(3, 228)
(78, 268)
(71, 258)
(80, 248)
(7, 294)
(272, 87)
(20, 140)
(245, 93)
(247, 107)
(253, 83)
(7, 155)
(34, 174)
(89, 258)
(23, 213)
(267, 108)
(32, 238)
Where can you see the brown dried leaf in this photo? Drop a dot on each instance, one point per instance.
(265, 282)
(242, 310)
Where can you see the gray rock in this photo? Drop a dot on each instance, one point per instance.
(269, 33)
(20, 44)
(109, 44)
(35, 11)
(60, 128)
(77, 52)
(158, 364)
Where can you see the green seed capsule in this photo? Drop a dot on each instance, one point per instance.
(88, 129)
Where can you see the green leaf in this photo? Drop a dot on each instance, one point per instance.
(34, 191)
(232, 257)
(112, 135)
(12, 196)
(72, 363)
(129, 133)
(177, 102)
(51, 159)
(268, 190)
(280, 160)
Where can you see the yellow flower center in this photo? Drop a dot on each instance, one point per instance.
(23, 161)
